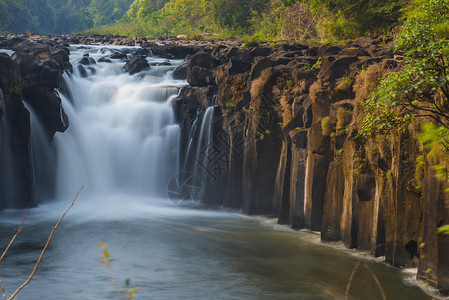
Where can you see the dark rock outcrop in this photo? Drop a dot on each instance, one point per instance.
(30, 75)
(180, 72)
(136, 64)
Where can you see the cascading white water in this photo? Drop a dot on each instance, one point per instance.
(204, 145)
(122, 134)
(42, 158)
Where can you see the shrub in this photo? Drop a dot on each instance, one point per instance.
(195, 36)
(326, 126)
(251, 42)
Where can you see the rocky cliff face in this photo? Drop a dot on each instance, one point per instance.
(29, 74)
(286, 144)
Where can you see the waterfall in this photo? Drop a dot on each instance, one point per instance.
(201, 160)
(191, 184)
(122, 135)
(42, 158)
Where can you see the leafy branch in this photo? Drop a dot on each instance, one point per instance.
(106, 260)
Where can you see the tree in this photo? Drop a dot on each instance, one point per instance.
(142, 9)
(235, 15)
(107, 11)
(421, 88)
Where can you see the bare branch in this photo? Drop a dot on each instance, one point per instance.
(45, 247)
(17, 233)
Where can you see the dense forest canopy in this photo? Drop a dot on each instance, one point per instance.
(59, 16)
(264, 19)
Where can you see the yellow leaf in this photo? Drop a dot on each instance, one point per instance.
(105, 253)
(102, 245)
(131, 292)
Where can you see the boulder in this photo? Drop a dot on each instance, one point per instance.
(87, 61)
(118, 55)
(198, 76)
(241, 62)
(180, 72)
(104, 60)
(202, 60)
(261, 51)
(136, 64)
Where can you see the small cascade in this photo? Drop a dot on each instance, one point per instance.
(190, 140)
(6, 182)
(122, 135)
(42, 158)
(196, 169)
(204, 145)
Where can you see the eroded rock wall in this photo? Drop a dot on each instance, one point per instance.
(286, 132)
(29, 74)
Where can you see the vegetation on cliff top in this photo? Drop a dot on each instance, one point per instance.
(421, 87)
(267, 20)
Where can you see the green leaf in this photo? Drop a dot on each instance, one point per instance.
(443, 229)
(131, 292)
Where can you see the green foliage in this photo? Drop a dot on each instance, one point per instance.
(235, 15)
(267, 20)
(129, 291)
(268, 23)
(20, 85)
(443, 229)
(326, 126)
(421, 87)
(316, 65)
(251, 42)
(432, 136)
(288, 2)
(339, 27)
(344, 83)
(143, 9)
(27, 15)
(342, 19)
(105, 12)
(195, 36)
(344, 116)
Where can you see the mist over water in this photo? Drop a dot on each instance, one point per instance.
(123, 146)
